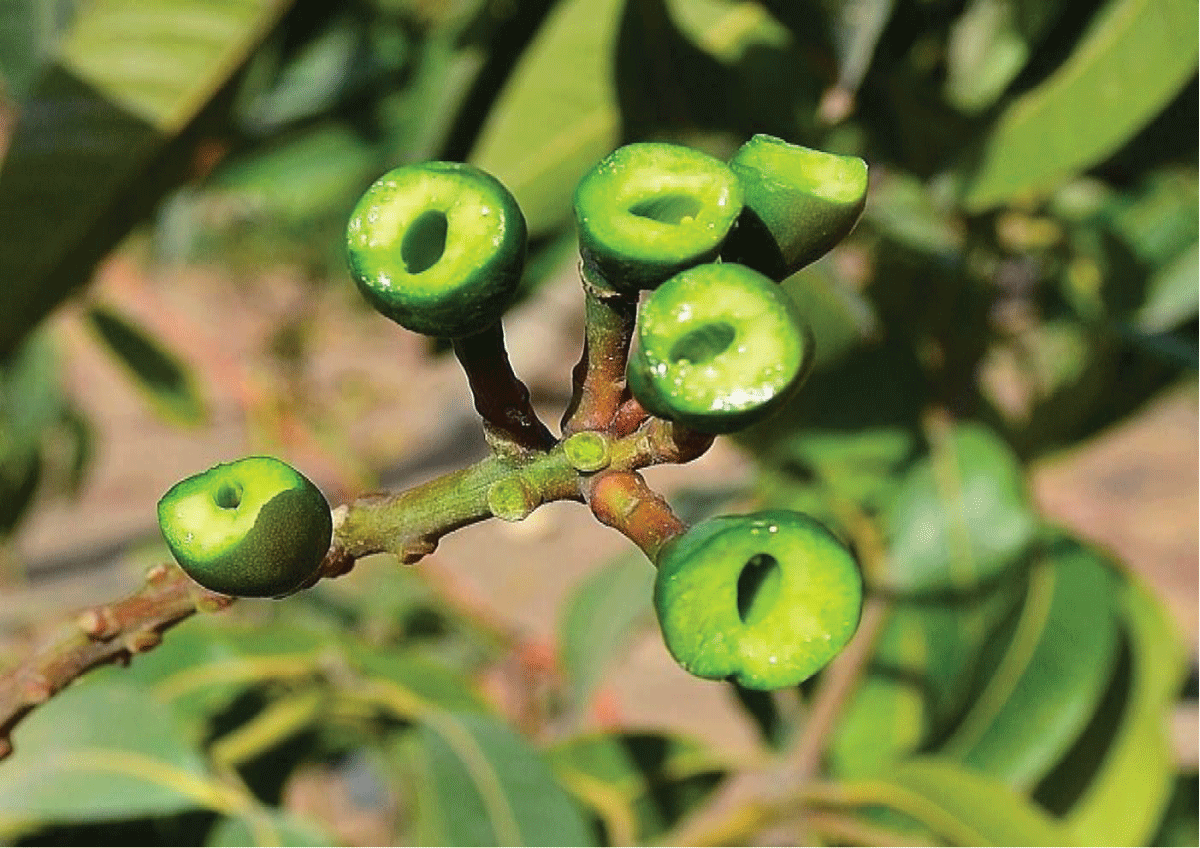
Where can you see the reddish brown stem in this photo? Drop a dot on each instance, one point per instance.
(623, 501)
(599, 378)
(103, 634)
(501, 399)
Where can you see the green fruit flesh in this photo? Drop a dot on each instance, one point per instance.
(719, 347)
(765, 599)
(254, 527)
(799, 203)
(649, 210)
(438, 247)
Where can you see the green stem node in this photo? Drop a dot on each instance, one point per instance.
(587, 451)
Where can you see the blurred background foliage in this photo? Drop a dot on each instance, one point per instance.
(1025, 275)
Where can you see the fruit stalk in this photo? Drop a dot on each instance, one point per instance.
(622, 500)
(501, 399)
(599, 377)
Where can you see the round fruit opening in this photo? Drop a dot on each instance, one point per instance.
(425, 242)
(667, 208)
(703, 344)
(228, 496)
(758, 587)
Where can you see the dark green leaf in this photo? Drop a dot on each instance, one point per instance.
(602, 616)
(27, 29)
(163, 379)
(90, 153)
(100, 751)
(961, 517)
(474, 781)
(849, 430)
(1053, 672)
(1097, 100)
(638, 785)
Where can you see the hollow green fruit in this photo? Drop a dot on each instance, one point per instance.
(254, 528)
(799, 203)
(719, 347)
(437, 247)
(765, 599)
(649, 210)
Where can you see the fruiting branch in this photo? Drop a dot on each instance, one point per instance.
(103, 634)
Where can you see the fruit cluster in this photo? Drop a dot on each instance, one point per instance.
(767, 598)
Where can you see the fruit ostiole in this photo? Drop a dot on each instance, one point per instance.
(766, 599)
(439, 248)
(719, 347)
(649, 210)
(253, 528)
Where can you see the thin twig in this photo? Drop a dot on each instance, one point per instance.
(103, 634)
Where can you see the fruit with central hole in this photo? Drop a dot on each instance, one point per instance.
(255, 527)
(765, 599)
(649, 210)
(719, 347)
(437, 247)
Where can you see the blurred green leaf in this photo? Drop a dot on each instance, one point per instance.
(416, 679)
(311, 80)
(263, 829)
(1052, 675)
(639, 785)
(1158, 218)
(1173, 294)
(1181, 822)
(102, 751)
(989, 45)
(965, 637)
(849, 430)
(1092, 104)
(315, 174)
(33, 412)
(963, 805)
(886, 718)
(961, 517)
(1125, 799)
(557, 116)
(604, 613)
(207, 663)
(27, 29)
(840, 319)
(164, 380)
(474, 781)
(91, 153)
(706, 65)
